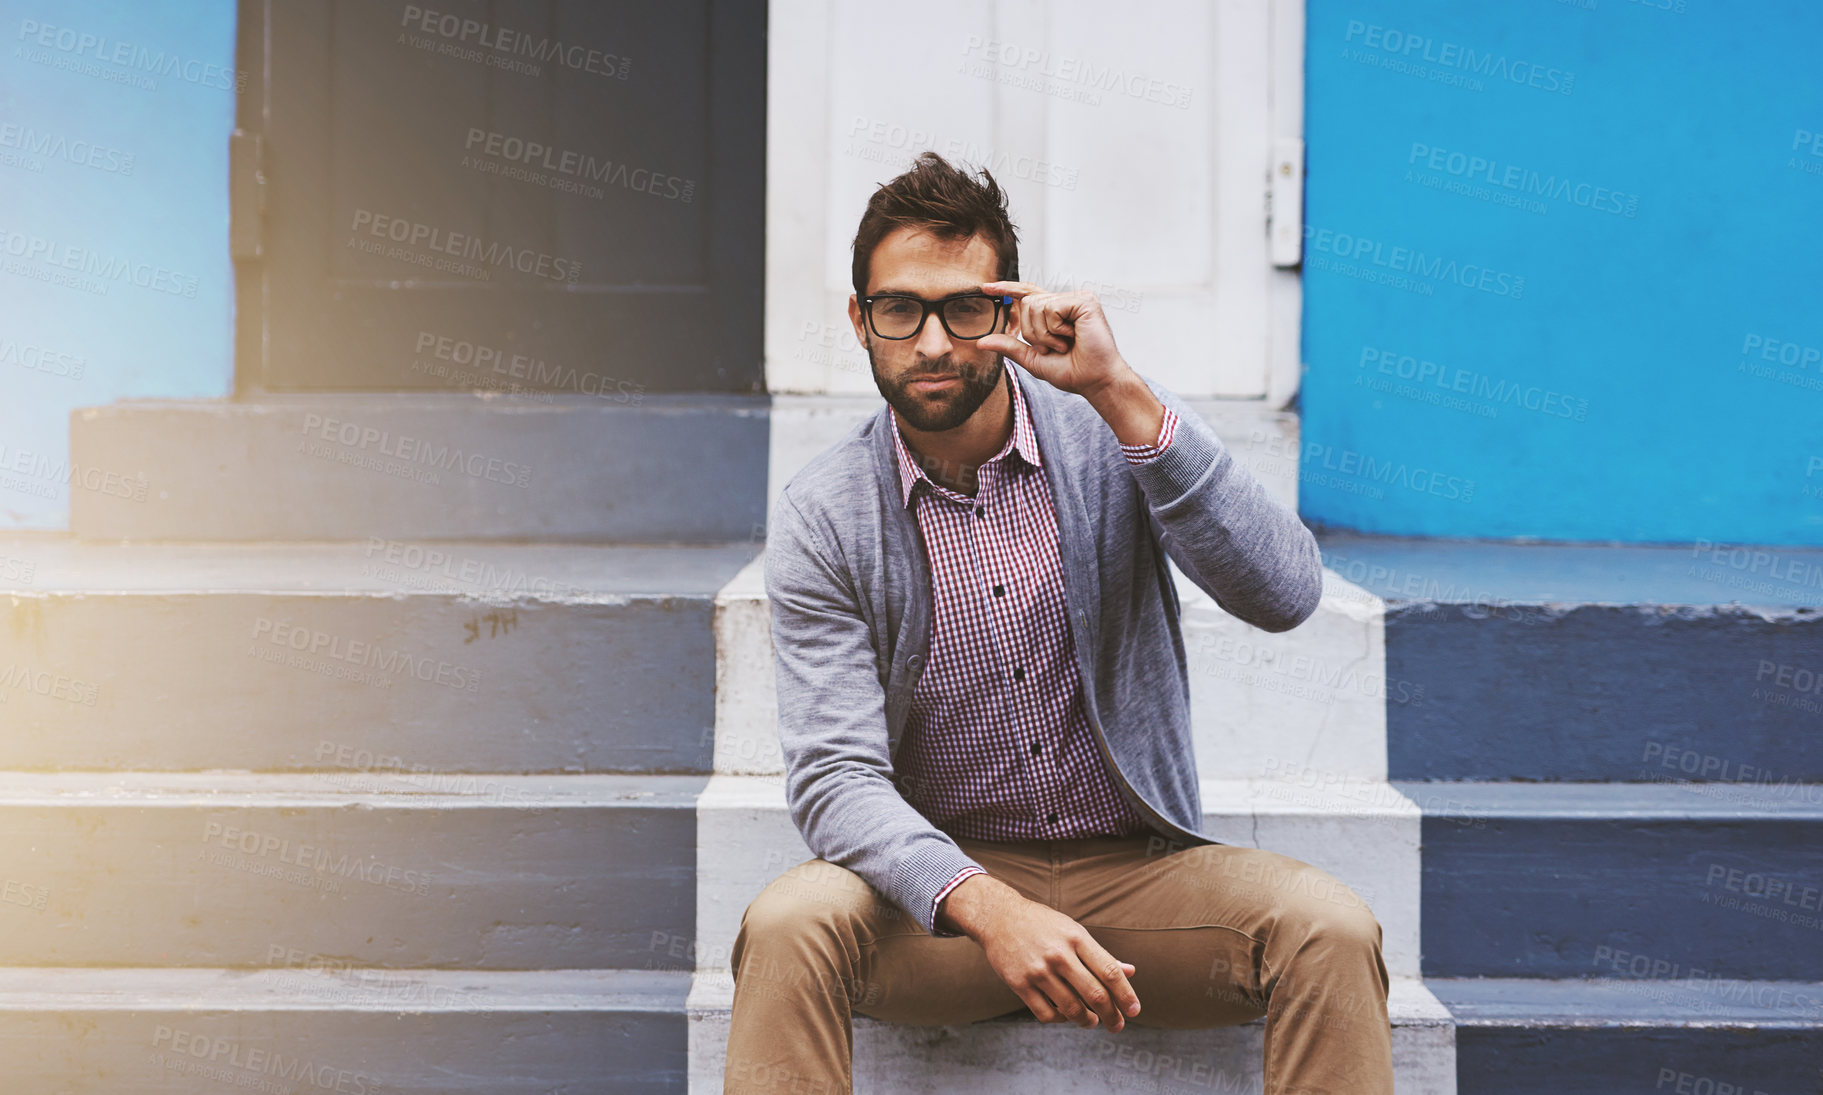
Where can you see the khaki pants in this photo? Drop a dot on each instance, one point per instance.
(1220, 935)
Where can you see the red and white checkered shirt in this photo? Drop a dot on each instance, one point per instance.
(997, 744)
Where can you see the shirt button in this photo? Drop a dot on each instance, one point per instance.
(1019, 672)
(1037, 748)
(1052, 818)
(999, 591)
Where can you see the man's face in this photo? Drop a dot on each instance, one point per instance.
(919, 264)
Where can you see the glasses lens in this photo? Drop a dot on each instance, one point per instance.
(970, 317)
(896, 317)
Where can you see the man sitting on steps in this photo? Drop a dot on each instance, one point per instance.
(983, 699)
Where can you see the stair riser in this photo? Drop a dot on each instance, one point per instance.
(429, 682)
(487, 886)
(1533, 897)
(742, 845)
(500, 1052)
(671, 468)
(1665, 1061)
(1030, 1058)
(1606, 693)
(1018, 1054)
(1323, 688)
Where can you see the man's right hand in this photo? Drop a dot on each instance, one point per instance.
(1049, 960)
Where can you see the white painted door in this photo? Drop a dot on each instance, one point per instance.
(1136, 142)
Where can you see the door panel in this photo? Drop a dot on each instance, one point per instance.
(557, 194)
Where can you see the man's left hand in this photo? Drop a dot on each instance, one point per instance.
(1067, 343)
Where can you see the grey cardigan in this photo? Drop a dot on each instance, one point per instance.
(849, 583)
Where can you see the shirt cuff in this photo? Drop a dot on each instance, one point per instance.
(936, 904)
(1141, 454)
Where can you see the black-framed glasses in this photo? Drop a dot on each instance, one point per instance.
(966, 316)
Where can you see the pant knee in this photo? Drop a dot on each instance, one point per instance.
(805, 903)
(1355, 928)
(1329, 912)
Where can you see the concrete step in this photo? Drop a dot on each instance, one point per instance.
(217, 869)
(1616, 1036)
(313, 1024)
(1579, 880)
(1322, 688)
(648, 468)
(360, 656)
(1575, 662)
(1363, 833)
(1017, 1055)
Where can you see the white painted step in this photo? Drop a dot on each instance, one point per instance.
(1307, 705)
(1020, 1056)
(1364, 833)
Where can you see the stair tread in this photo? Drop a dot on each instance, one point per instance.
(559, 403)
(1665, 800)
(1408, 570)
(340, 989)
(64, 564)
(1629, 1002)
(1408, 1002)
(1350, 796)
(430, 790)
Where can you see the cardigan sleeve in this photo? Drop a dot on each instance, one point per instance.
(1221, 527)
(832, 729)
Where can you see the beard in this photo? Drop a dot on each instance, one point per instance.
(935, 412)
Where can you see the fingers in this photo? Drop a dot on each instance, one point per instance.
(1039, 321)
(1066, 1003)
(1058, 322)
(1056, 1000)
(1113, 973)
(1045, 320)
(1040, 1005)
(1090, 990)
(1008, 346)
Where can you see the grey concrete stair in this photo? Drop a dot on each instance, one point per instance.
(1556, 879)
(302, 1028)
(1589, 662)
(457, 465)
(1619, 772)
(360, 657)
(1616, 1036)
(215, 869)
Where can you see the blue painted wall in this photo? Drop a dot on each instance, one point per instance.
(115, 280)
(1564, 269)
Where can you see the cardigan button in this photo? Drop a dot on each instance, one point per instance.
(914, 661)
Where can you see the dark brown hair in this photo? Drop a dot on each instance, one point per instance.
(937, 197)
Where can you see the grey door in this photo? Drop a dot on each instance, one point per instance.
(554, 195)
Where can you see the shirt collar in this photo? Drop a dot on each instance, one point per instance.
(1024, 441)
